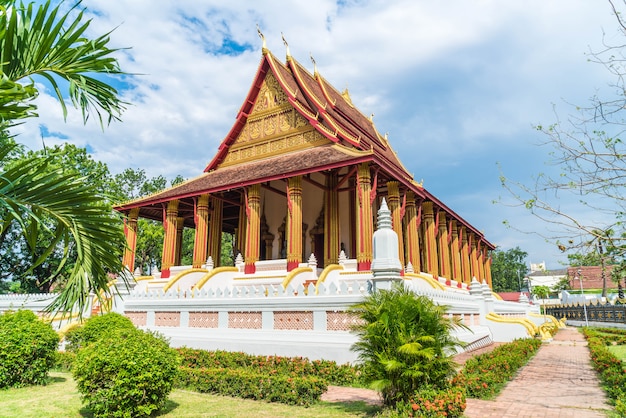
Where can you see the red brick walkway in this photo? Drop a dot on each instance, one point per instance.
(558, 382)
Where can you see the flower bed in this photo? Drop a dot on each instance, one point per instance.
(610, 368)
(245, 383)
(329, 371)
(485, 375)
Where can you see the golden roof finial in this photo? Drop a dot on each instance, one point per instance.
(264, 46)
(386, 136)
(372, 117)
(346, 96)
(286, 45)
(314, 64)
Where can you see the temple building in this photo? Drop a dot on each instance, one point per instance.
(300, 177)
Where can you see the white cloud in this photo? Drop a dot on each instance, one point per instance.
(457, 84)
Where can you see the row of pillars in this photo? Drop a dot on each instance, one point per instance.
(449, 250)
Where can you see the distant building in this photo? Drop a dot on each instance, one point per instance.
(540, 276)
(591, 277)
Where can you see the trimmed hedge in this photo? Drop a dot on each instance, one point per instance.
(430, 402)
(27, 349)
(246, 383)
(610, 368)
(128, 373)
(485, 375)
(330, 371)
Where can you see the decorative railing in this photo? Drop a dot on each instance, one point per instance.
(592, 312)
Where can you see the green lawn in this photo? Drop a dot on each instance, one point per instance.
(618, 351)
(60, 399)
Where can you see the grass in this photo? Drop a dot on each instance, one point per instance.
(60, 399)
(618, 351)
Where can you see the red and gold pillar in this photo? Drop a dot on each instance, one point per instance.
(444, 247)
(430, 245)
(170, 225)
(474, 258)
(215, 231)
(488, 268)
(365, 223)
(465, 256)
(202, 229)
(294, 222)
(253, 228)
(393, 202)
(455, 253)
(331, 220)
(130, 231)
(412, 233)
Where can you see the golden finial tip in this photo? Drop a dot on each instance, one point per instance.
(286, 45)
(264, 46)
(314, 63)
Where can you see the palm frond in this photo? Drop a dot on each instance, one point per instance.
(30, 190)
(40, 40)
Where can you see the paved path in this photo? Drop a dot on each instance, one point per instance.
(557, 383)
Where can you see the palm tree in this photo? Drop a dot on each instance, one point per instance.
(405, 342)
(40, 40)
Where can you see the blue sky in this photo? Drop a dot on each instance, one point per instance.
(458, 85)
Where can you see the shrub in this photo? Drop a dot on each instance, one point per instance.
(245, 383)
(327, 370)
(611, 370)
(404, 343)
(126, 373)
(27, 349)
(64, 360)
(430, 402)
(484, 376)
(95, 328)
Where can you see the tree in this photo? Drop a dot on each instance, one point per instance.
(17, 253)
(41, 41)
(405, 342)
(508, 268)
(586, 197)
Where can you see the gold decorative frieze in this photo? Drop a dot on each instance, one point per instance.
(288, 143)
(274, 127)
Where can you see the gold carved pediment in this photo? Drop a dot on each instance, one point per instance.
(274, 127)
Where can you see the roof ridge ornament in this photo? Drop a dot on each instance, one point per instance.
(314, 64)
(286, 46)
(264, 49)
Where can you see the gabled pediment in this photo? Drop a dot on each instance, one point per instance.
(273, 127)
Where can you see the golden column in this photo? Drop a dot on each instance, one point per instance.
(215, 231)
(393, 202)
(412, 233)
(365, 223)
(444, 247)
(253, 228)
(202, 229)
(430, 245)
(455, 252)
(169, 240)
(331, 220)
(465, 256)
(474, 258)
(488, 269)
(481, 260)
(294, 222)
(130, 231)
